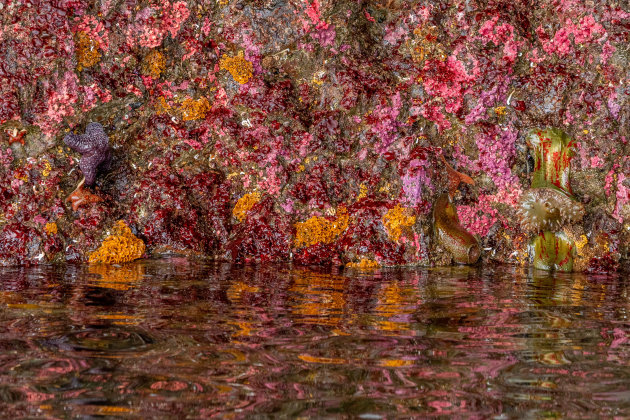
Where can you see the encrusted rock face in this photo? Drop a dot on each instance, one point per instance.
(275, 130)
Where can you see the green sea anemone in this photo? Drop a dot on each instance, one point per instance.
(549, 204)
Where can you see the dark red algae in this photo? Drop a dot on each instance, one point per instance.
(307, 131)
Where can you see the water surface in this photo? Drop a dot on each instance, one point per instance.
(179, 339)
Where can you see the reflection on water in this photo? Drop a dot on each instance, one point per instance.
(168, 338)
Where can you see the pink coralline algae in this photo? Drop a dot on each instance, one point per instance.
(480, 217)
(92, 95)
(586, 31)
(497, 153)
(618, 186)
(447, 80)
(325, 36)
(60, 103)
(383, 121)
(413, 181)
(153, 24)
(94, 28)
(501, 35)
(314, 13)
(487, 99)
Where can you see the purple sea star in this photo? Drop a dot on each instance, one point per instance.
(94, 148)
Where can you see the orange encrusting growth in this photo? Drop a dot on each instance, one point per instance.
(320, 230)
(51, 228)
(396, 220)
(187, 109)
(364, 264)
(120, 247)
(244, 204)
(153, 64)
(87, 51)
(239, 67)
(194, 109)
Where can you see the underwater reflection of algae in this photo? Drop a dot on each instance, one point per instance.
(395, 305)
(123, 277)
(550, 293)
(94, 410)
(320, 299)
(244, 316)
(560, 289)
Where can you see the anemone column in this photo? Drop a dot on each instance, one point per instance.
(549, 204)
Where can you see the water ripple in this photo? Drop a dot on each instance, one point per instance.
(176, 338)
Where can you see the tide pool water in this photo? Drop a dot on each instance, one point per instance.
(179, 339)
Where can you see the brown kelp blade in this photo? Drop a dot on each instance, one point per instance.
(455, 178)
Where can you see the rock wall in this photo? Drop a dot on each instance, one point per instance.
(312, 131)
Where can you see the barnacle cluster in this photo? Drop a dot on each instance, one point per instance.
(87, 50)
(320, 230)
(194, 109)
(240, 69)
(120, 247)
(153, 64)
(244, 204)
(396, 220)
